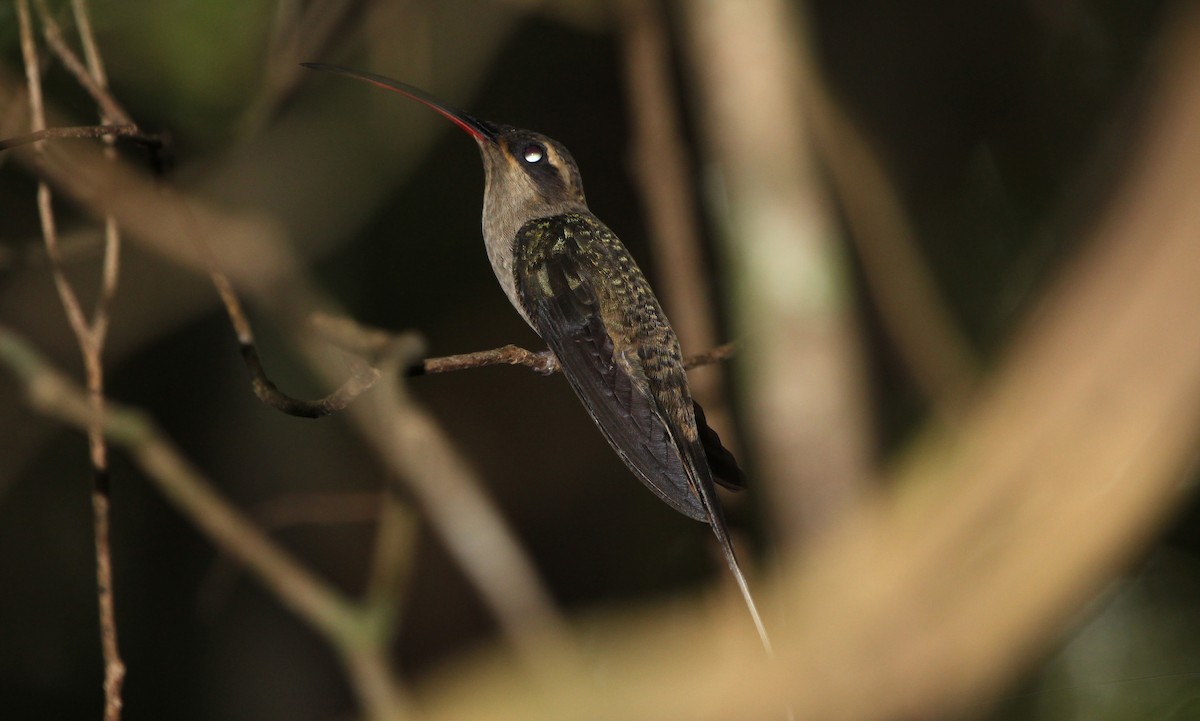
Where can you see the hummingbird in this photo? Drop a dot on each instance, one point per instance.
(576, 285)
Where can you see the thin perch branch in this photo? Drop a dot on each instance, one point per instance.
(448, 490)
(170, 224)
(542, 362)
(365, 342)
(78, 131)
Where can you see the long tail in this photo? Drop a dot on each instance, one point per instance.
(722, 534)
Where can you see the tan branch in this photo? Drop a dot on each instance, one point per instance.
(82, 131)
(915, 315)
(170, 225)
(90, 337)
(664, 174)
(932, 595)
(352, 630)
(90, 79)
(804, 373)
(368, 343)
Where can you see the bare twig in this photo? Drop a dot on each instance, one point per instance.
(519, 601)
(719, 354)
(348, 626)
(29, 56)
(263, 257)
(542, 362)
(361, 377)
(447, 488)
(90, 337)
(90, 77)
(368, 343)
(82, 131)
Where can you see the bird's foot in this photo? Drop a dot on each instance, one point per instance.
(546, 363)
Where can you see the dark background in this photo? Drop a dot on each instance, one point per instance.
(1002, 124)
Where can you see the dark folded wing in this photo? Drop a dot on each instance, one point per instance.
(725, 469)
(594, 343)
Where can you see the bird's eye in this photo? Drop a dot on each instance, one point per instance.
(533, 153)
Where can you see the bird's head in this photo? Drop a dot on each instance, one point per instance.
(528, 175)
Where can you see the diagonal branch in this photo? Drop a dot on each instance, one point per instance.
(90, 77)
(347, 625)
(174, 225)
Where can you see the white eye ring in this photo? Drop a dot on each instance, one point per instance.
(533, 154)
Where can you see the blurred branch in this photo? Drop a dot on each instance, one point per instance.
(414, 445)
(446, 487)
(301, 31)
(411, 443)
(915, 316)
(286, 511)
(91, 77)
(350, 628)
(90, 336)
(929, 597)
(83, 131)
(662, 171)
(392, 560)
(175, 226)
(362, 377)
(74, 246)
(803, 371)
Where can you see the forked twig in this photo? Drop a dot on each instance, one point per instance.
(90, 333)
(91, 77)
(350, 626)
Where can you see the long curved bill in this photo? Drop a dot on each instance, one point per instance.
(473, 127)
